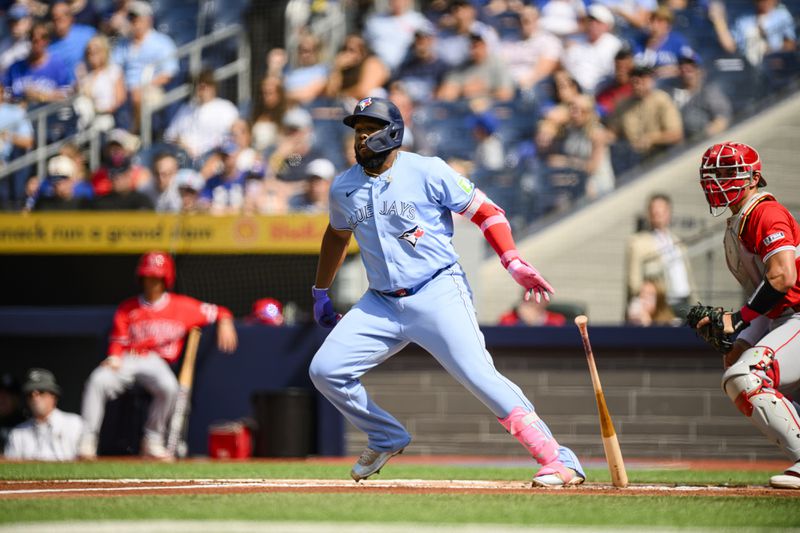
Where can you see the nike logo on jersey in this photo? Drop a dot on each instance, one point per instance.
(412, 236)
(347, 194)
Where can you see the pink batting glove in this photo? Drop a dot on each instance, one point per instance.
(527, 276)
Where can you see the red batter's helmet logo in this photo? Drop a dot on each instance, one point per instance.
(412, 236)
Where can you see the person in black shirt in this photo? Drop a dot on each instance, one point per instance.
(123, 196)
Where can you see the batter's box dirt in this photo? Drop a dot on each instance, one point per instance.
(130, 487)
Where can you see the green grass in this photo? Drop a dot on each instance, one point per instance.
(539, 509)
(313, 470)
(536, 508)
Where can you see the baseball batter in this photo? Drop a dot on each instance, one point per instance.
(761, 241)
(146, 337)
(399, 205)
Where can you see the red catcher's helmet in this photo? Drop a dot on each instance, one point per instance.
(726, 171)
(158, 265)
(268, 311)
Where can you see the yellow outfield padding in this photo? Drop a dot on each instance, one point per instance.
(135, 232)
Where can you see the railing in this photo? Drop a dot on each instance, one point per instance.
(194, 51)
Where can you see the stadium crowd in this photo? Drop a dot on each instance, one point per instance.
(540, 102)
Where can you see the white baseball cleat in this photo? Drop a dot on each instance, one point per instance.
(556, 475)
(790, 479)
(371, 462)
(152, 448)
(87, 448)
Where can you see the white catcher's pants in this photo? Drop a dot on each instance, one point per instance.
(151, 372)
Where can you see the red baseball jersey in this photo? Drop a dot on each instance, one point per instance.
(765, 228)
(141, 327)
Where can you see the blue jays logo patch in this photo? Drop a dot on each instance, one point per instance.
(412, 235)
(365, 103)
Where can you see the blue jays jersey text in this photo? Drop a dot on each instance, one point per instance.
(401, 219)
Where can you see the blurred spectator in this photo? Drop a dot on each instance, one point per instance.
(39, 78)
(101, 82)
(224, 192)
(619, 87)
(357, 72)
(531, 313)
(189, 184)
(657, 254)
(114, 21)
(163, 189)
(649, 307)
(489, 152)
(16, 131)
(50, 434)
(10, 407)
(305, 79)
(564, 89)
(202, 124)
(120, 146)
(295, 146)
(580, 143)
(16, 45)
(83, 12)
(314, 198)
(648, 121)
(661, 46)
(69, 39)
(455, 43)
(535, 56)
(705, 108)
(768, 28)
(400, 22)
(240, 135)
(81, 175)
(560, 17)
(147, 58)
(421, 72)
(483, 76)
(634, 13)
(123, 195)
(589, 56)
(267, 311)
(268, 112)
(400, 97)
(61, 188)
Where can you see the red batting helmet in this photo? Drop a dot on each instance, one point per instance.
(268, 311)
(158, 265)
(726, 171)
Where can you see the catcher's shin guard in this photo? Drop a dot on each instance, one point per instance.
(524, 426)
(752, 383)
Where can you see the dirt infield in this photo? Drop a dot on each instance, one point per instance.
(131, 487)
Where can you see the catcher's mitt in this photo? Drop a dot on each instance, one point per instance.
(713, 332)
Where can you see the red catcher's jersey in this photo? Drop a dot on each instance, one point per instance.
(767, 228)
(142, 327)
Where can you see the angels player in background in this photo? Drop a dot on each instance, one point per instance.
(763, 368)
(147, 336)
(400, 206)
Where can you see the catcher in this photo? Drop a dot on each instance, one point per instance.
(760, 341)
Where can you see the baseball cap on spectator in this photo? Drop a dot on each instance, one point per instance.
(187, 178)
(689, 56)
(39, 379)
(61, 167)
(426, 29)
(140, 9)
(559, 19)
(321, 168)
(601, 13)
(17, 12)
(297, 118)
(487, 121)
(127, 140)
(268, 311)
(642, 70)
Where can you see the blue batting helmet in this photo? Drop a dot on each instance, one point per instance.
(388, 138)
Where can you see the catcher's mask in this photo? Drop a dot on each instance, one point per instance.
(158, 265)
(387, 138)
(726, 171)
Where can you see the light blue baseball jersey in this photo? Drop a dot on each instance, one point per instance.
(401, 219)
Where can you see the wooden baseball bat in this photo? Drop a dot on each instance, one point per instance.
(185, 379)
(619, 477)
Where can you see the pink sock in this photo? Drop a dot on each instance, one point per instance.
(522, 424)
